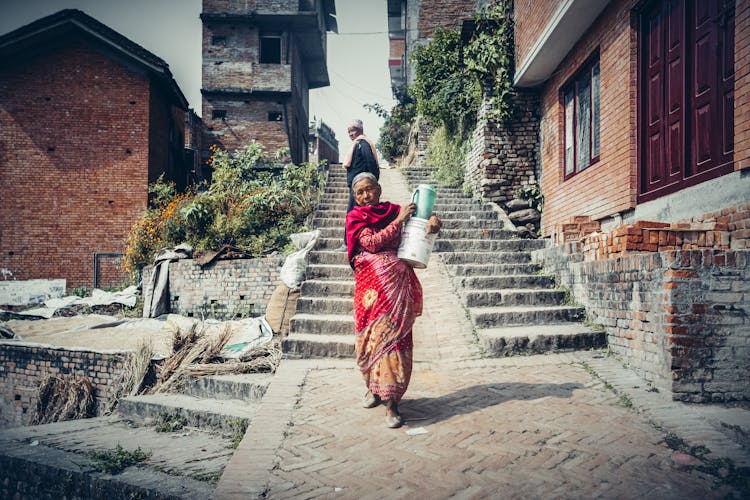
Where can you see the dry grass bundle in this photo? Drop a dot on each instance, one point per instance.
(59, 399)
(132, 377)
(265, 359)
(202, 350)
(181, 345)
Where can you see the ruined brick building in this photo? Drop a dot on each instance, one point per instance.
(260, 59)
(89, 118)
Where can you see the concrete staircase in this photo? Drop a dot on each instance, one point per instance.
(54, 460)
(514, 308)
(323, 325)
(223, 403)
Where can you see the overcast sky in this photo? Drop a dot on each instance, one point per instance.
(171, 29)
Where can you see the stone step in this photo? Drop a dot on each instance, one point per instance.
(321, 222)
(524, 281)
(492, 269)
(519, 245)
(472, 215)
(244, 387)
(539, 339)
(461, 258)
(330, 243)
(298, 345)
(332, 213)
(474, 233)
(328, 288)
(488, 317)
(329, 271)
(325, 305)
(332, 202)
(322, 324)
(512, 297)
(59, 462)
(328, 257)
(332, 232)
(216, 414)
(461, 223)
(449, 205)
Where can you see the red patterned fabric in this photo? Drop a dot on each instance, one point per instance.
(387, 300)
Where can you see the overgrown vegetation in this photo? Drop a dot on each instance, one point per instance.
(532, 193)
(446, 152)
(394, 134)
(252, 204)
(724, 469)
(117, 460)
(239, 427)
(169, 422)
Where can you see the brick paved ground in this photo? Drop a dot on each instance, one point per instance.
(550, 426)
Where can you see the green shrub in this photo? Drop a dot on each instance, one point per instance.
(446, 152)
(252, 204)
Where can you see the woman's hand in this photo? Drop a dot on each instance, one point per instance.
(433, 224)
(406, 212)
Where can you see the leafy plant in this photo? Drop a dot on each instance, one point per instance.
(252, 203)
(117, 460)
(394, 134)
(446, 94)
(169, 422)
(533, 194)
(447, 153)
(489, 56)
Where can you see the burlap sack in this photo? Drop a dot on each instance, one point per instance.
(280, 309)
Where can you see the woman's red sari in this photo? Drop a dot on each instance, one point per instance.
(387, 299)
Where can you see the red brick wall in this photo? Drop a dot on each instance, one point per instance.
(610, 185)
(742, 85)
(531, 18)
(246, 122)
(73, 162)
(446, 14)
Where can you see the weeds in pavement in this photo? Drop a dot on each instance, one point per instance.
(238, 426)
(169, 422)
(117, 460)
(723, 469)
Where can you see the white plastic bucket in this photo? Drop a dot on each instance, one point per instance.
(416, 246)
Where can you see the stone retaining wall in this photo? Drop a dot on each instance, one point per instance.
(503, 157)
(24, 365)
(223, 289)
(678, 318)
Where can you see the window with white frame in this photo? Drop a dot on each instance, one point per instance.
(580, 97)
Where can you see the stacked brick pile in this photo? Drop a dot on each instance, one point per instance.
(724, 230)
(647, 236)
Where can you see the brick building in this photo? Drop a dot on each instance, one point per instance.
(260, 59)
(89, 118)
(413, 21)
(644, 164)
(644, 109)
(323, 143)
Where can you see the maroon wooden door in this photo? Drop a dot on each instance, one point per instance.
(687, 85)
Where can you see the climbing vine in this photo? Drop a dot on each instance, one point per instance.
(489, 56)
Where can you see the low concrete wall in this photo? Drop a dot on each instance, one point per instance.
(224, 289)
(22, 292)
(678, 318)
(24, 365)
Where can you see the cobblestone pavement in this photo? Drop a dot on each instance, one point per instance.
(565, 425)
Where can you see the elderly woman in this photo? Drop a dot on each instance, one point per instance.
(387, 295)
